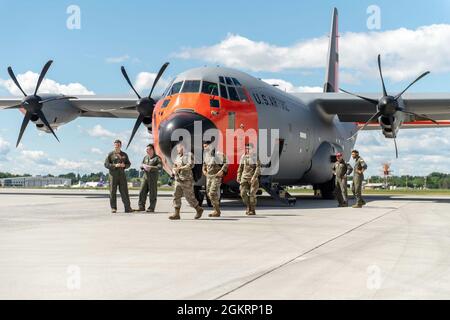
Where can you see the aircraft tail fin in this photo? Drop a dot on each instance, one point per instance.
(332, 71)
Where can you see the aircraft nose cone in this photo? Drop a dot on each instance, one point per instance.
(182, 120)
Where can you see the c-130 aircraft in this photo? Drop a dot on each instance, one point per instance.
(311, 127)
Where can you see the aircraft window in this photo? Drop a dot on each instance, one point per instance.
(221, 79)
(191, 86)
(165, 103)
(166, 91)
(242, 94)
(210, 88)
(229, 81)
(175, 88)
(223, 92)
(233, 94)
(236, 82)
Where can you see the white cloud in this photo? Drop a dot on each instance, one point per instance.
(96, 151)
(64, 165)
(4, 148)
(144, 81)
(99, 132)
(405, 53)
(421, 151)
(117, 59)
(36, 156)
(289, 87)
(28, 82)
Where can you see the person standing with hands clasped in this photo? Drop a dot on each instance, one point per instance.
(151, 165)
(117, 162)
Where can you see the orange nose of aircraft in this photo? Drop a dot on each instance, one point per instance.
(198, 106)
(182, 123)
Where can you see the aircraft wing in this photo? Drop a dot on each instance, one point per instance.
(353, 109)
(7, 102)
(92, 106)
(105, 107)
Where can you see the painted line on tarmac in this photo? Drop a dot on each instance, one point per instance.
(306, 252)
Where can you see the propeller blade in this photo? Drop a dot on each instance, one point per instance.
(42, 75)
(125, 75)
(24, 125)
(373, 101)
(418, 78)
(44, 120)
(391, 122)
(381, 75)
(376, 115)
(421, 116)
(56, 98)
(396, 149)
(13, 77)
(135, 129)
(160, 72)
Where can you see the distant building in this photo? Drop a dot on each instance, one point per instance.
(374, 186)
(35, 182)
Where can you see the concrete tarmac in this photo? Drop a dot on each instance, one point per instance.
(65, 244)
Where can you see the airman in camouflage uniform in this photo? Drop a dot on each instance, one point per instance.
(151, 165)
(248, 177)
(341, 170)
(214, 168)
(117, 162)
(184, 182)
(358, 177)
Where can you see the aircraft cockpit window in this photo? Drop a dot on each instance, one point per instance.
(229, 81)
(242, 94)
(191, 86)
(221, 79)
(166, 91)
(233, 94)
(223, 92)
(236, 82)
(210, 88)
(175, 88)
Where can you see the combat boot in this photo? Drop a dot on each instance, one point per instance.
(216, 213)
(176, 215)
(251, 211)
(357, 205)
(199, 212)
(247, 211)
(363, 203)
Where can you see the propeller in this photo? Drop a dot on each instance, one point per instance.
(145, 105)
(33, 103)
(388, 105)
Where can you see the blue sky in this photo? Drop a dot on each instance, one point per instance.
(144, 34)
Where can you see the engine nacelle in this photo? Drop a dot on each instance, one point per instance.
(57, 113)
(388, 130)
(147, 121)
